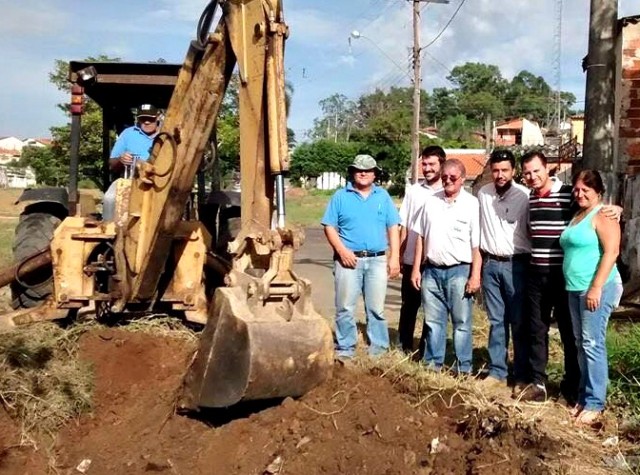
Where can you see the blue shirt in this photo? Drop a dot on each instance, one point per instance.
(362, 222)
(135, 141)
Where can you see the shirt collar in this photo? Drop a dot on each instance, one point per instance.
(350, 187)
(556, 184)
(432, 188)
(440, 194)
(139, 129)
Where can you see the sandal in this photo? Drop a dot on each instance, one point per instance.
(588, 418)
(576, 410)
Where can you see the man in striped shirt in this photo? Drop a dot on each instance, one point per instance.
(551, 208)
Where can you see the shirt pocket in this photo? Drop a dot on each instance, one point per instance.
(381, 215)
(461, 229)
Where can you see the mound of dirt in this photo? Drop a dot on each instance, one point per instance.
(354, 423)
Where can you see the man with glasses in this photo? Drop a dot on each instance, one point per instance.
(506, 251)
(134, 143)
(448, 245)
(432, 158)
(361, 225)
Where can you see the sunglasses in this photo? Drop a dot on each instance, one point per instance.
(451, 178)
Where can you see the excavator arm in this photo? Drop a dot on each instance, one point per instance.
(261, 337)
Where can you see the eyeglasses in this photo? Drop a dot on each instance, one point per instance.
(451, 178)
(146, 119)
(366, 171)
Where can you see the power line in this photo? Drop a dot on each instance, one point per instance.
(445, 26)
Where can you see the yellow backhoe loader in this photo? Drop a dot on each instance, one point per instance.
(261, 336)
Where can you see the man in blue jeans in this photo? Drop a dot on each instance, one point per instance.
(361, 225)
(506, 250)
(448, 244)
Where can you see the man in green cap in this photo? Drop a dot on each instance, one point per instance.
(361, 225)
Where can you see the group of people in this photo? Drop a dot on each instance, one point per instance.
(545, 249)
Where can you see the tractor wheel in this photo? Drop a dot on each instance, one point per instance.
(33, 234)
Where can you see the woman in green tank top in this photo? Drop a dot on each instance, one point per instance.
(591, 244)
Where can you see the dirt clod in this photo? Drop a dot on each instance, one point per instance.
(354, 423)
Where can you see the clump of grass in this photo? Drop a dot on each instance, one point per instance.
(623, 346)
(43, 384)
(161, 325)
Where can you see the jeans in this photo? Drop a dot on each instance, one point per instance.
(411, 301)
(503, 284)
(590, 329)
(109, 203)
(546, 292)
(443, 293)
(369, 278)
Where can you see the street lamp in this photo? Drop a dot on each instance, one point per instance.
(355, 34)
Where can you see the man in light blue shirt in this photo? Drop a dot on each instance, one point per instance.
(133, 144)
(361, 225)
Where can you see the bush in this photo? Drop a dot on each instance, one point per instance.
(87, 184)
(623, 346)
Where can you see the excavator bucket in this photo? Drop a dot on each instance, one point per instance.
(255, 350)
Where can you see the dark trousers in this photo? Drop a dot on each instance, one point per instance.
(411, 301)
(546, 293)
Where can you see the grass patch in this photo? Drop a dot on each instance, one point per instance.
(43, 384)
(305, 208)
(623, 346)
(7, 227)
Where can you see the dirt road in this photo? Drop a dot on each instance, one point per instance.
(314, 261)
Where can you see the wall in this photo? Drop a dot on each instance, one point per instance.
(577, 129)
(628, 147)
(330, 181)
(629, 94)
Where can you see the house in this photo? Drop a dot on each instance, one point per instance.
(577, 128)
(473, 159)
(11, 147)
(11, 151)
(11, 177)
(517, 132)
(11, 144)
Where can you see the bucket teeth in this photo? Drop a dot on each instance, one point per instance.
(257, 351)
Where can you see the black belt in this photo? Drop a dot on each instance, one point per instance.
(514, 257)
(436, 266)
(369, 253)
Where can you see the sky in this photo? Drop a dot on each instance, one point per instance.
(515, 35)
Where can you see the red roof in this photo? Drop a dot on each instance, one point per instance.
(515, 124)
(473, 161)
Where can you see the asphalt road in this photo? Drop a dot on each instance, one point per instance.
(314, 262)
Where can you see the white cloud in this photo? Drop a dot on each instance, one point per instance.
(31, 18)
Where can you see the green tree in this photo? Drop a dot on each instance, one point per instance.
(312, 159)
(443, 103)
(456, 131)
(339, 116)
(51, 164)
(472, 78)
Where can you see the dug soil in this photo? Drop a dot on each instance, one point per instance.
(355, 423)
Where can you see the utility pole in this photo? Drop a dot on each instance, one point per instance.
(417, 83)
(417, 86)
(600, 102)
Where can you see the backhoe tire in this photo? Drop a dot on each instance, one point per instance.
(33, 234)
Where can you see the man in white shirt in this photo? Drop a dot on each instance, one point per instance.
(448, 244)
(432, 158)
(506, 250)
